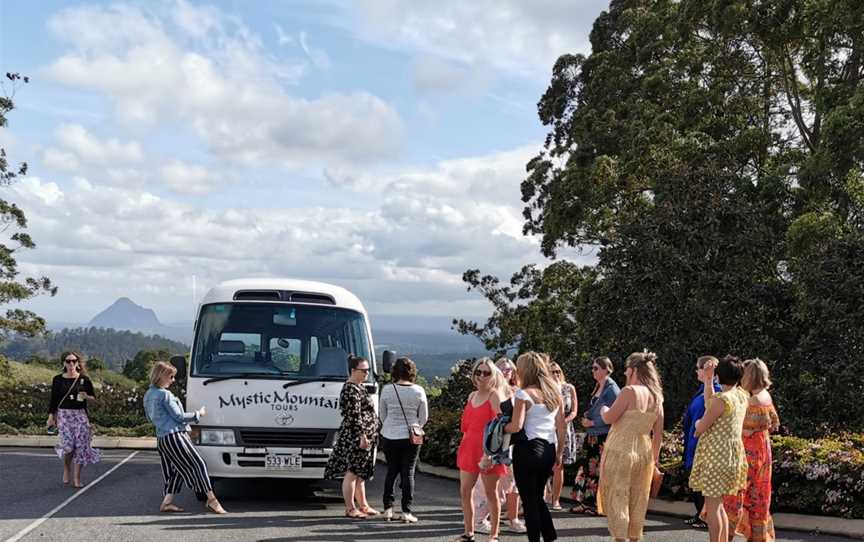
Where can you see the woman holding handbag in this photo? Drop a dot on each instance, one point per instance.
(403, 410)
(67, 411)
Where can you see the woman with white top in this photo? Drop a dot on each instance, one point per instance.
(536, 410)
(403, 406)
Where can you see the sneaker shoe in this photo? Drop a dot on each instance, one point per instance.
(517, 526)
(408, 517)
(388, 514)
(484, 527)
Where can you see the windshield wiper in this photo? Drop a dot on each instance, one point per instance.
(240, 375)
(313, 379)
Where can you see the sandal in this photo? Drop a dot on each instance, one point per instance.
(215, 508)
(582, 509)
(170, 508)
(466, 538)
(369, 511)
(354, 513)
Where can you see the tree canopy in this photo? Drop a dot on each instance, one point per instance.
(13, 222)
(712, 152)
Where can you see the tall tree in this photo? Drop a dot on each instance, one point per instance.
(698, 147)
(14, 222)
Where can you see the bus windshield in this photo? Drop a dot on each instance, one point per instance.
(263, 340)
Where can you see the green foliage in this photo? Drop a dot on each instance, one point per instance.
(24, 398)
(139, 368)
(114, 347)
(13, 220)
(810, 476)
(711, 152)
(445, 411)
(95, 364)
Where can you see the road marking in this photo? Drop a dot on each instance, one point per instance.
(26, 530)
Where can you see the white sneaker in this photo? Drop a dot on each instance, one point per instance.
(517, 526)
(408, 517)
(484, 527)
(388, 514)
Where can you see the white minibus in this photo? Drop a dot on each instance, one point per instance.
(269, 358)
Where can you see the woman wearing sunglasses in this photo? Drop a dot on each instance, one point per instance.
(482, 406)
(605, 392)
(67, 411)
(353, 457)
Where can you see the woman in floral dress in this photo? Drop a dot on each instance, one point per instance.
(70, 392)
(605, 392)
(750, 510)
(353, 458)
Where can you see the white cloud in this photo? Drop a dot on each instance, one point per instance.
(432, 74)
(79, 147)
(188, 178)
(319, 57)
(514, 36)
(223, 87)
(431, 225)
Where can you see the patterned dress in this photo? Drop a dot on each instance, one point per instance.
(750, 510)
(358, 418)
(626, 470)
(73, 424)
(719, 466)
(571, 448)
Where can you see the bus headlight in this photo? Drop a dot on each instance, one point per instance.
(218, 437)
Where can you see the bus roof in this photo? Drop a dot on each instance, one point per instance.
(224, 291)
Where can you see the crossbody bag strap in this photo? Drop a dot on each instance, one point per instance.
(69, 389)
(396, 391)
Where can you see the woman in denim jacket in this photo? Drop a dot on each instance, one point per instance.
(588, 467)
(180, 461)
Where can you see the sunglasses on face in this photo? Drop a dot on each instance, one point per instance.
(506, 370)
(71, 360)
(366, 370)
(482, 373)
(595, 368)
(556, 372)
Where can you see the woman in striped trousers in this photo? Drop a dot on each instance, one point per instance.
(181, 463)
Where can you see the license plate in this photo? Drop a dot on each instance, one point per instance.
(283, 462)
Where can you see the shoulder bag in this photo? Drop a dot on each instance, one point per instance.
(415, 432)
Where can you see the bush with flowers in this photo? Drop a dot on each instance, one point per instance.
(26, 391)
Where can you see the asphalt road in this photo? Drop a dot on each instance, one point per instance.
(123, 506)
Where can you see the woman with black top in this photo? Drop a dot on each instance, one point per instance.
(67, 411)
(353, 456)
(537, 410)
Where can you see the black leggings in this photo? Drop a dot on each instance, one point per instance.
(401, 460)
(532, 466)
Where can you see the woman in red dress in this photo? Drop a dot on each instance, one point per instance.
(482, 406)
(750, 511)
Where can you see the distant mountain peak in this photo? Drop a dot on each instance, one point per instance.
(126, 314)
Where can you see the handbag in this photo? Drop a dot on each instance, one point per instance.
(656, 482)
(415, 433)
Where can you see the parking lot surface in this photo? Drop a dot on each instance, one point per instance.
(122, 504)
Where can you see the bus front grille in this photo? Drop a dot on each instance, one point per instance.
(289, 438)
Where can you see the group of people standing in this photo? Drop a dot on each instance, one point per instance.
(727, 448)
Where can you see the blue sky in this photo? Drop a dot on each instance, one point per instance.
(376, 144)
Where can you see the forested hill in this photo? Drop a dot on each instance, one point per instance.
(112, 346)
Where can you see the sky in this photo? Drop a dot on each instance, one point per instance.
(377, 144)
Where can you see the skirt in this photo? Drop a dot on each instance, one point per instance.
(74, 431)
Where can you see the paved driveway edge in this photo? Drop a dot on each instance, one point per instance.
(852, 528)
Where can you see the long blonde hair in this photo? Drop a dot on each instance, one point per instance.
(534, 371)
(498, 384)
(644, 363)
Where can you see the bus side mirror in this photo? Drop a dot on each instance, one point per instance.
(179, 363)
(389, 358)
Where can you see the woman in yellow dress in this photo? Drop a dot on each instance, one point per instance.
(719, 465)
(631, 454)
